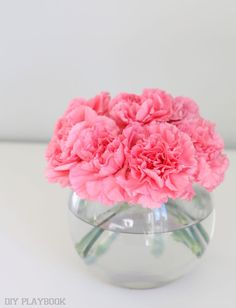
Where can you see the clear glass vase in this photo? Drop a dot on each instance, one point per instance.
(136, 247)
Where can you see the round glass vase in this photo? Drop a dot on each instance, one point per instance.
(136, 247)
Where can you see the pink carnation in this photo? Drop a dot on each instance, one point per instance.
(100, 149)
(124, 107)
(153, 104)
(212, 163)
(58, 162)
(184, 108)
(60, 157)
(156, 105)
(160, 164)
(99, 103)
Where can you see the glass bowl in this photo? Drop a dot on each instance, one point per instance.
(136, 247)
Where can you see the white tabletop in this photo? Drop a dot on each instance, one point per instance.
(37, 258)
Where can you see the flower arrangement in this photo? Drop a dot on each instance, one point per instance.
(140, 149)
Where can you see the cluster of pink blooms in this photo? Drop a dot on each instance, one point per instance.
(142, 149)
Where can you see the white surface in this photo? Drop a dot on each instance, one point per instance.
(37, 258)
(52, 51)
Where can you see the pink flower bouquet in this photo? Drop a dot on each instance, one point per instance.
(140, 149)
(148, 150)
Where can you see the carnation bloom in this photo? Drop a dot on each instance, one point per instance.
(59, 163)
(124, 107)
(99, 103)
(60, 157)
(184, 108)
(160, 164)
(153, 104)
(156, 105)
(212, 163)
(100, 149)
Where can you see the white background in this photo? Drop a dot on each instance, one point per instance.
(52, 51)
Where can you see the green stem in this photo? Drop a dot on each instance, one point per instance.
(197, 246)
(203, 232)
(84, 246)
(184, 214)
